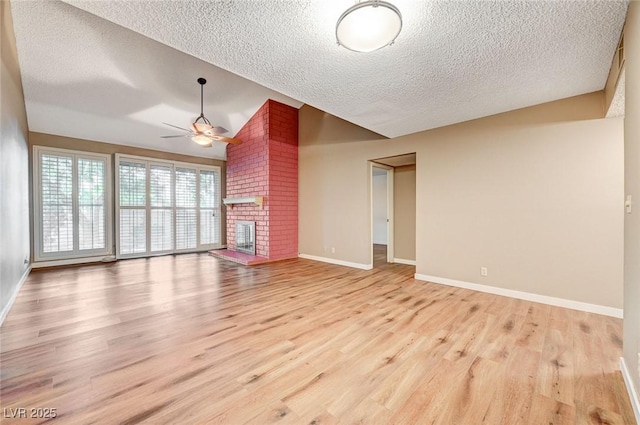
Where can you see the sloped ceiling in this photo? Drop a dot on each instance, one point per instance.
(88, 78)
(453, 61)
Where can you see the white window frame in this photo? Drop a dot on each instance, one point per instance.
(174, 164)
(76, 253)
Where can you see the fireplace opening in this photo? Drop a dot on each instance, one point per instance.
(246, 237)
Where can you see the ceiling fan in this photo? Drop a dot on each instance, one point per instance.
(201, 131)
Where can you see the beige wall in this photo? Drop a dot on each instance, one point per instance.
(533, 195)
(404, 210)
(330, 208)
(632, 187)
(14, 166)
(41, 139)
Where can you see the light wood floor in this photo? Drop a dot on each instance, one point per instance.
(192, 339)
(379, 255)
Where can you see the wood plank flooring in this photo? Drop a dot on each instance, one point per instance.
(192, 339)
(379, 255)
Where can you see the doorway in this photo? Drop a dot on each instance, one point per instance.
(393, 210)
(382, 214)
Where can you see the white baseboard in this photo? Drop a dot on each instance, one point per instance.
(72, 261)
(633, 395)
(543, 299)
(7, 307)
(403, 261)
(338, 262)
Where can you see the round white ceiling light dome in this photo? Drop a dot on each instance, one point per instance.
(368, 26)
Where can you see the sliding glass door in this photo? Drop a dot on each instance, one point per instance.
(165, 207)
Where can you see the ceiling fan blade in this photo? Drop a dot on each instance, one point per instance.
(175, 126)
(226, 139)
(219, 130)
(181, 135)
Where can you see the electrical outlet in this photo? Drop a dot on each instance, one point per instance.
(484, 271)
(333, 250)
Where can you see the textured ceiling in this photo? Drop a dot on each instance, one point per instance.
(453, 61)
(616, 108)
(89, 78)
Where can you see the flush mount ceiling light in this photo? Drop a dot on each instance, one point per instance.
(368, 26)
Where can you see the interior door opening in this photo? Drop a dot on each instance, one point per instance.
(381, 214)
(393, 210)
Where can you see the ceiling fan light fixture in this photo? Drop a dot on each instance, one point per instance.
(202, 126)
(368, 26)
(201, 139)
(201, 131)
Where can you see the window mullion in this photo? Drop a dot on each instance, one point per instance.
(174, 202)
(74, 205)
(198, 230)
(148, 208)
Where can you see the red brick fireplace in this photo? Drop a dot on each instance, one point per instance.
(264, 168)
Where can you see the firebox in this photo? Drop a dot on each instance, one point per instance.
(246, 237)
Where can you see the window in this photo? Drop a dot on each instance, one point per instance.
(186, 226)
(71, 204)
(209, 207)
(166, 207)
(133, 207)
(161, 208)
